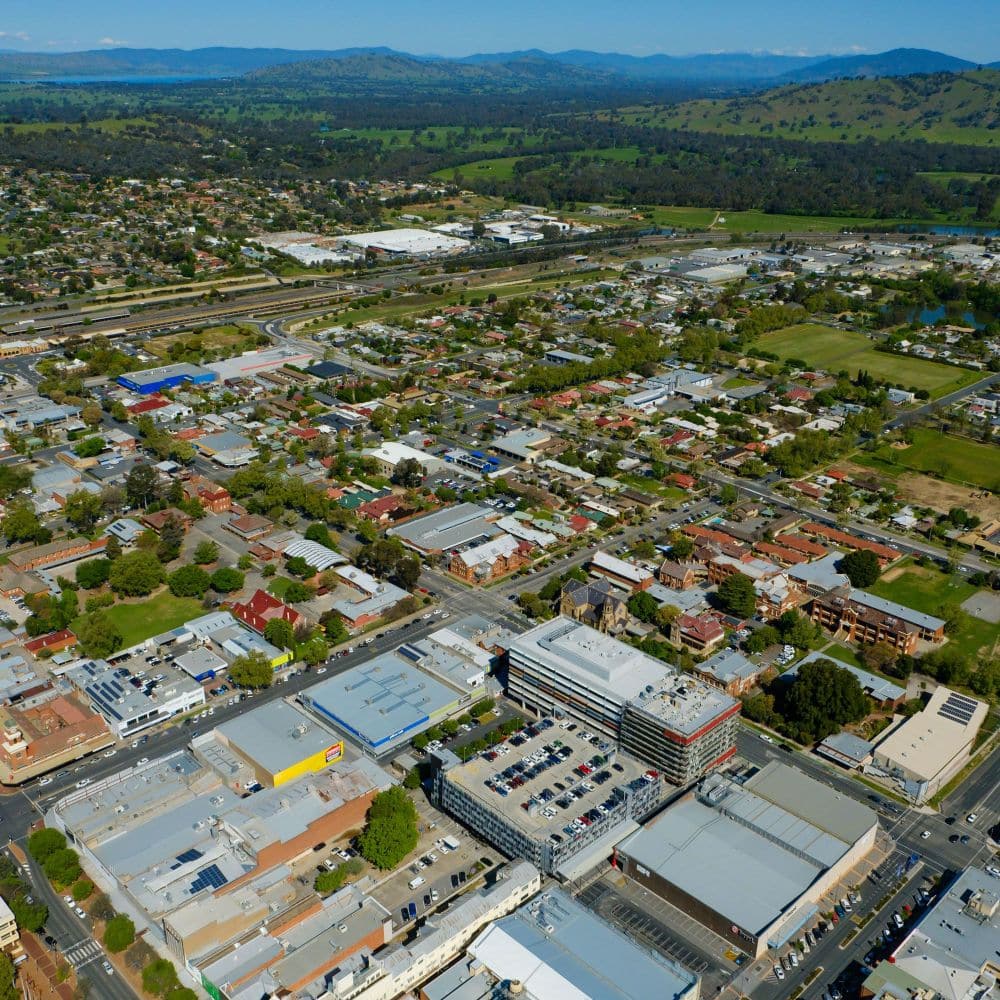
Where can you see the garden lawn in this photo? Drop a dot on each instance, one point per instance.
(925, 589)
(836, 350)
(143, 619)
(957, 459)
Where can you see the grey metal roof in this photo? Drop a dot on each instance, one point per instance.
(555, 946)
(847, 745)
(729, 664)
(448, 528)
(276, 735)
(749, 853)
(899, 611)
(833, 812)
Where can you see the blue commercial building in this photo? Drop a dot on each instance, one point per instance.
(382, 704)
(166, 377)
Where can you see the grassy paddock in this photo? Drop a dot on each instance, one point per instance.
(956, 459)
(143, 619)
(834, 349)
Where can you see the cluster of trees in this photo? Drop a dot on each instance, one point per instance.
(821, 699)
(861, 567)
(21, 524)
(60, 863)
(390, 832)
(637, 352)
(253, 671)
(792, 627)
(387, 557)
(490, 738)
(331, 881)
(193, 581)
(736, 594)
(15, 892)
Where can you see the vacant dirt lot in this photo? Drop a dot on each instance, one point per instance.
(914, 487)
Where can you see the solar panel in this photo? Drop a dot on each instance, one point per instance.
(209, 877)
(958, 708)
(192, 855)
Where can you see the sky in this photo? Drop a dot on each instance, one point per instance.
(966, 28)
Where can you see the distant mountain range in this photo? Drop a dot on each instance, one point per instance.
(574, 66)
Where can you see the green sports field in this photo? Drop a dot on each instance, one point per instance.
(834, 350)
(144, 619)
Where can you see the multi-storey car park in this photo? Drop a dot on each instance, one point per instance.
(556, 795)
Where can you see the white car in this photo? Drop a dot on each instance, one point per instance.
(322, 670)
(68, 900)
(779, 972)
(765, 737)
(109, 753)
(971, 818)
(45, 781)
(793, 958)
(993, 870)
(80, 913)
(925, 834)
(142, 760)
(83, 782)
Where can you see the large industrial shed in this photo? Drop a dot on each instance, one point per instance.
(751, 861)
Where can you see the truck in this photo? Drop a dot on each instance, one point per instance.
(451, 843)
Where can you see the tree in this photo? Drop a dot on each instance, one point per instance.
(181, 993)
(279, 633)
(141, 485)
(643, 606)
(113, 549)
(761, 638)
(119, 933)
(408, 473)
(136, 574)
(796, 629)
(407, 572)
(314, 650)
(28, 916)
(91, 414)
(737, 596)
(82, 889)
(251, 671)
(205, 552)
(336, 630)
(21, 524)
(45, 842)
(226, 580)
(62, 867)
(879, 656)
(171, 539)
(681, 547)
(728, 495)
(317, 532)
(83, 509)
(296, 592)
(100, 907)
(160, 977)
(821, 698)
(391, 831)
(93, 573)
(299, 566)
(861, 567)
(666, 616)
(189, 581)
(9, 989)
(98, 634)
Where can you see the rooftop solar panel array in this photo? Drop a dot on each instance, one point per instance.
(209, 877)
(958, 708)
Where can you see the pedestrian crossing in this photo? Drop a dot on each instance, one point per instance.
(83, 953)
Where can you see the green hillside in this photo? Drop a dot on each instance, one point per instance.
(942, 107)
